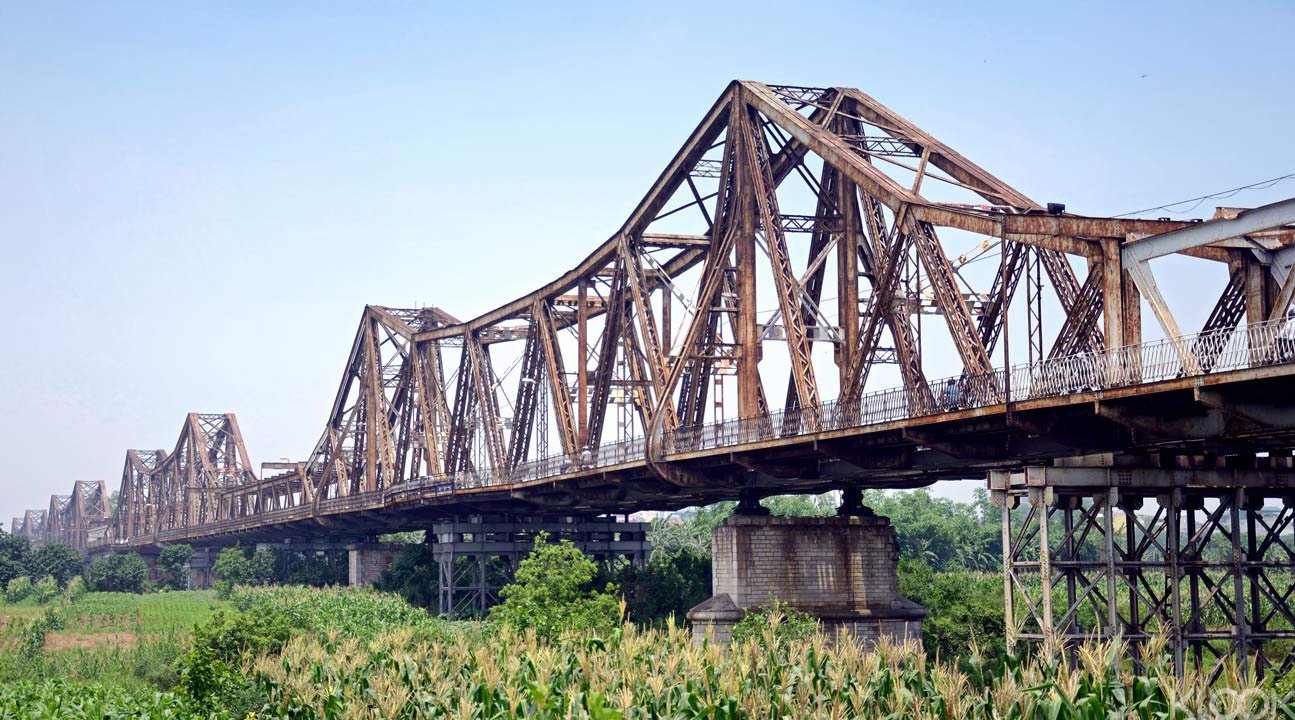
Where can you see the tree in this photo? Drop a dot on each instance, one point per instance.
(56, 560)
(173, 564)
(261, 566)
(669, 584)
(13, 556)
(319, 568)
(414, 574)
(235, 567)
(553, 593)
(118, 573)
(942, 533)
(802, 505)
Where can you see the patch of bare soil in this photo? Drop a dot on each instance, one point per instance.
(73, 641)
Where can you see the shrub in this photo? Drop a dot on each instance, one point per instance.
(235, 567)
(45, 589)
(966, 609)
(18, 589)
(775, 625)
(75, 589)
(553, 593)
(210, 673)
(118, 573)
(172, 564)
(56, 560)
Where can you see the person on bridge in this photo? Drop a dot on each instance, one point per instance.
(952, 394)
(1286, 337)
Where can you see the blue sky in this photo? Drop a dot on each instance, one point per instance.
(197, 199)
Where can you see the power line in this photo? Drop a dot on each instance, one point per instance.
(1261, 185)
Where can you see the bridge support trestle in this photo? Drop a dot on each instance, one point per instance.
(476, 557)
(1201, 558)
(200, 564)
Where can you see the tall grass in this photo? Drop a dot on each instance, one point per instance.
(349, 612)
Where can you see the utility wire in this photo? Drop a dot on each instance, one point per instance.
(1261, 185)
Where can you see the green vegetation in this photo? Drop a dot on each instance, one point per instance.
(122, 640)
(55, 561)
(171, 564)
(13, 557)
(775, 626)
(660, 673)
(242, 566)
(570, 639)
(61, 700)
(669, 585)
(413, 575)
(118, 573)
(553, 591)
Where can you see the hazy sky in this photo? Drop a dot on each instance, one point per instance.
(197, 199)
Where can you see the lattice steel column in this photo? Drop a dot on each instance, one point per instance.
(1203, 557)
(476, 557)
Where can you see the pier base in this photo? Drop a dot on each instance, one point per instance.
(841, 570)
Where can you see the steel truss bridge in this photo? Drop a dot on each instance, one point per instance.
(805, 244)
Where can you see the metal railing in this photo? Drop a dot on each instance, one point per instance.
(1257, 345)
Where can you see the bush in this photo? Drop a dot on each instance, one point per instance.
(210, 674)
(18, 589)
(75, 589)
(56, 560)
(234, 566)
(45, 589)
(118, 573)
(173, 565)
(775, 625)
(553, 593)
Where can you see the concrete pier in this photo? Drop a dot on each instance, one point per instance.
(841, 570)
(367, 561)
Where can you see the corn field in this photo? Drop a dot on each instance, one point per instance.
(639, 673)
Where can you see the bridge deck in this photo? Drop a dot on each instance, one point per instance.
(1195, 395)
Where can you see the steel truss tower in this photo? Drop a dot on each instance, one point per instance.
(1204, 556)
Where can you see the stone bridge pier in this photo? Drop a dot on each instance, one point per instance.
(841, 570)
(366, 561)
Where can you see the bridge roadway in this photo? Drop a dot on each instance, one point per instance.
(1203, 396)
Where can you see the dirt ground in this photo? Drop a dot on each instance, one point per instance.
(71, 641)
